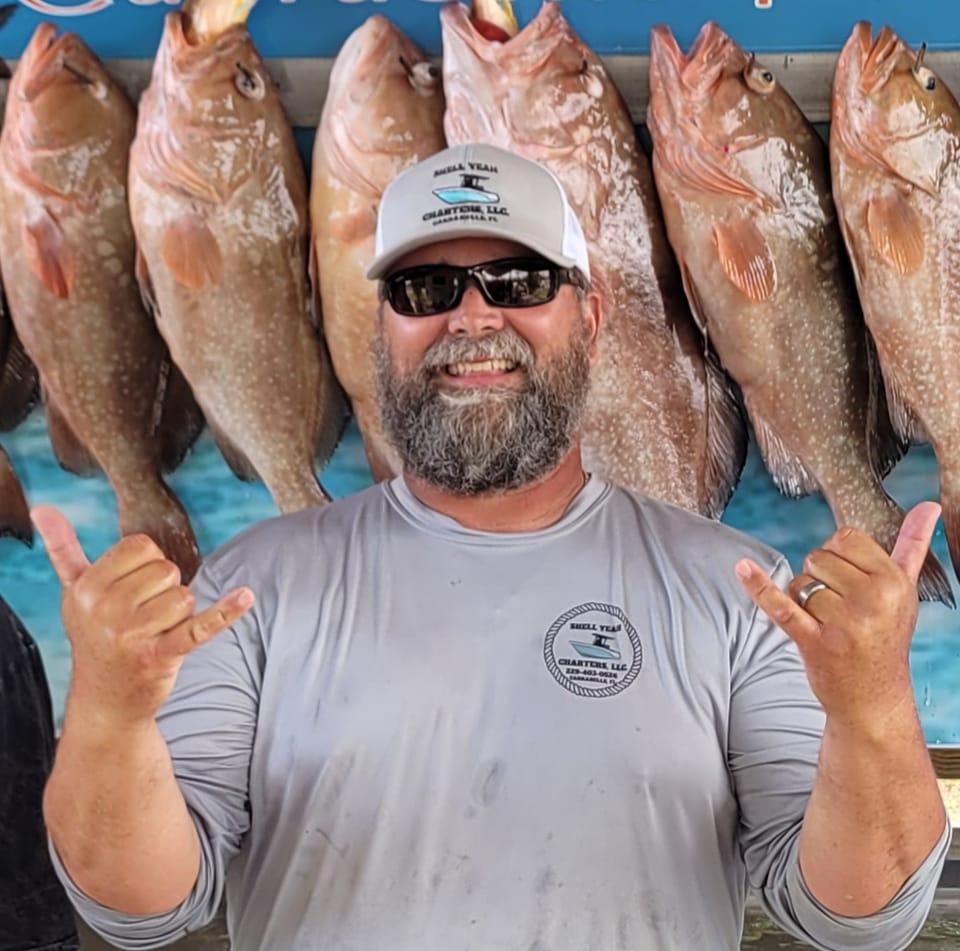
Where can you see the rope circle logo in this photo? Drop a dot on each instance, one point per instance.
(593, 650)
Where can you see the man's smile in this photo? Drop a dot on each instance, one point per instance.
(479, 372)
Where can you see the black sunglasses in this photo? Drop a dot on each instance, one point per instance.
(508, 282)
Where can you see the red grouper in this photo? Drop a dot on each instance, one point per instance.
(67, 254)
(218, 197)
(383, 112)
(745, 189)
(895, 156)
(662, 418)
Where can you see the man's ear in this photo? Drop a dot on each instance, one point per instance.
(594, 303)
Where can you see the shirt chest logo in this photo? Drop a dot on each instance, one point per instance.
(593, 650)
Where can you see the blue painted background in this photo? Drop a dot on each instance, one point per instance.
(126, 28)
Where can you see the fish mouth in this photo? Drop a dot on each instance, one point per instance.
(189, 57)
(878, 58)
(47, 57)
(535, 41)
(712, 52)
(666, 57)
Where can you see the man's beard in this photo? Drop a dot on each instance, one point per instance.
(484, 439)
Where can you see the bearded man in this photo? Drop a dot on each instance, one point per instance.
(494, 703)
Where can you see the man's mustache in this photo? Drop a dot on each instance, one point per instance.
(502, 346)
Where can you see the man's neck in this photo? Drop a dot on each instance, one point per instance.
(527, 509)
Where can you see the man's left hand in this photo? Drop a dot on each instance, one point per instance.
(854, 636)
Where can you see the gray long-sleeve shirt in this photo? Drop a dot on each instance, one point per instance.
(427, 738)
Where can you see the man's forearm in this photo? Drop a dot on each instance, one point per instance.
(117, 817)
(874, 815)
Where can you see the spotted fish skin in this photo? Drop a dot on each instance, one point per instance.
(383, 112)
(743, 180)
(67, 253)
(218, 197)
(895, 157)
(661, 418)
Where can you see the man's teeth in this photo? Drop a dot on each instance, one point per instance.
(481, 366)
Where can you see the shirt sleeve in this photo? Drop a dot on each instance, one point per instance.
(776, 725)
(209, 723)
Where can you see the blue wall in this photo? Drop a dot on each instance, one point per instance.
(131, 28)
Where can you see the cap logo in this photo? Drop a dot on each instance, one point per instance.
(468, 190)
(466, 198)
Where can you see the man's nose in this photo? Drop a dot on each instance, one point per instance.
(474, 317)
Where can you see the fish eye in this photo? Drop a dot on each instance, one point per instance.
(925, 78)
(758, 78)
(249, 83)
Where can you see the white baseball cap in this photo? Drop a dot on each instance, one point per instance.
(478, 191)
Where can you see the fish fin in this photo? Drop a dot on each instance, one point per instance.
(67, 447)
(141, 271)
(884, 443)
(19, 383)
(192, 254)
(14, 510)
(316, 302)
(882, 521)
(48, 255)
(693, 299)
(697, 163)
(727, 437)
(239, 464)
(177, 418)
(905, 421)
(156, 512)
(896, 232)
(746, 258)
(335, 411)
(727, 432)
(951, 525)
(788, 471)
(933, 583)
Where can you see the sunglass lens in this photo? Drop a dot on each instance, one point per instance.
(421, 293)
(521, 284)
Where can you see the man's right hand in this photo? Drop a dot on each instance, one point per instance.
(129, 620)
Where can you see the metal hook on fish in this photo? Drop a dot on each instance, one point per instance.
(920, 56)
(423, 76)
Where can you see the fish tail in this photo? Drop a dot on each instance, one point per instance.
(934, 585)
(14, 511)
(158, 513)
(950, 501)
(883, 520)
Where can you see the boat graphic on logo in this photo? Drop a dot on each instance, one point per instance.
(469, 191)
(599, 649)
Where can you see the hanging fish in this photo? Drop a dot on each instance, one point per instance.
(67, 255)
(662, 418)
(894, 147)
(745, 190)
(219, 204)
(383, 112)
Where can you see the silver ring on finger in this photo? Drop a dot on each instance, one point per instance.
(807, 591)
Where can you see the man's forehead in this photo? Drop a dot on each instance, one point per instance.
(462, 251)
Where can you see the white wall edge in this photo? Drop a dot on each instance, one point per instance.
(808, 77)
